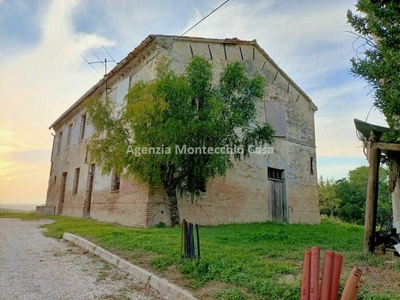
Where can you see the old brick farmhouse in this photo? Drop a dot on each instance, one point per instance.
(280, 186)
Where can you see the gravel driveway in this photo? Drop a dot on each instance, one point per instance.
(33, 266)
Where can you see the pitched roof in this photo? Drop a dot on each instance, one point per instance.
(150, 39)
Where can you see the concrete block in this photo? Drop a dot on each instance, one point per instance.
(45, 210)
(70, 237)
(136, 271)
(107, 256)
(85, 244)
(170, 289)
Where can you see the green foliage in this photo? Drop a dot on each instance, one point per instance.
(378, 26)
(162, 262)
(175, 111)
(328, 200)
(352, 192)
(230, 294)
(346, 197)
(25, 216)
(161, 225)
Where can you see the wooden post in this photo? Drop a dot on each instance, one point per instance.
(372, 198)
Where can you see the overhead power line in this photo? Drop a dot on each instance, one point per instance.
(205, 18)
(105, 61)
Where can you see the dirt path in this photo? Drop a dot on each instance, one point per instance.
(33, 266)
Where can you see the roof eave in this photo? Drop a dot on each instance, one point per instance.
(120, 64)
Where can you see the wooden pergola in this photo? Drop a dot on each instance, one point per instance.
(372, 134)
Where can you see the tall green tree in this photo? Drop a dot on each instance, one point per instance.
(328, 200)
(352, 193)
(176, 111)
(377, 25)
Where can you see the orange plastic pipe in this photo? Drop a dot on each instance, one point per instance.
(355, 295)
(351, 288)
(337, 269)
(305, 280)
(327, 275)
(314, 275)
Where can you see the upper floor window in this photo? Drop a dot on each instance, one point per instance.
(59, 141)
(83, 127)
(275, 115)
(275, 174)
(69, 135)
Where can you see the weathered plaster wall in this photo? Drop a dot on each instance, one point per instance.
(128, 206)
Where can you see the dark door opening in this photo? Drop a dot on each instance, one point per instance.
(89, 191)
(277, 195)
(62, 193)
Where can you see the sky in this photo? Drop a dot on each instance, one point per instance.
(42, 73)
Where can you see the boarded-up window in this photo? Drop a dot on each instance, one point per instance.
(275, 114)
(83, 127)
(76, 181)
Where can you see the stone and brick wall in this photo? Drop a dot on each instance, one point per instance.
(242, 196)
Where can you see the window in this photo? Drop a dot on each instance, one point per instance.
(76, 181)
(53, 147)
(115, 182)
(69, 135)
(275, 174)
(83, 127)
(311, 165)
(276, 117)
(59, 141)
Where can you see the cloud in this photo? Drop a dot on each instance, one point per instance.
(307, 39)
(36, 86)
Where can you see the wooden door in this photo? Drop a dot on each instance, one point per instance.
(277, 195)
(89, 191)
(62, 193)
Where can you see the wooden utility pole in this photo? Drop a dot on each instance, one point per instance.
(371, 206)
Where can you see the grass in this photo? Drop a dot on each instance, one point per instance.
(246, 261)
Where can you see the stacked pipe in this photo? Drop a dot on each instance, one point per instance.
(310, 289)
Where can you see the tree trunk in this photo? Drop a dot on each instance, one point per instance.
(173, 206)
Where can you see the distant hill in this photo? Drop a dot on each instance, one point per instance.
(18, 207)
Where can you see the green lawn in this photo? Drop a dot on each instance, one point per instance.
(250, 261)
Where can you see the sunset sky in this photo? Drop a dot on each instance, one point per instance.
(42, 73)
